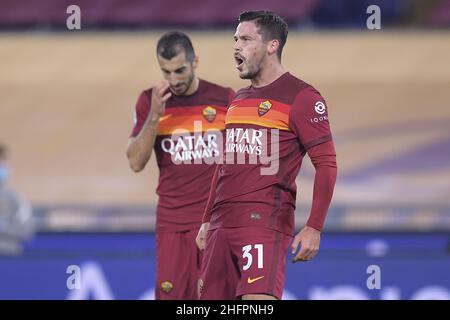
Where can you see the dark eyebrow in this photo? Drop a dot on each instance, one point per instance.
(244, 36)
(177, 70)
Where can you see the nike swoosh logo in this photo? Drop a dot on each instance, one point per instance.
(165, 117)
(250, 280)
(232, 106)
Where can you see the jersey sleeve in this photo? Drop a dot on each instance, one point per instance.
(323, 157)
(141, 112)
(308, 118)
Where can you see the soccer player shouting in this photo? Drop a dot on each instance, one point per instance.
(181, 118)
(249, 219)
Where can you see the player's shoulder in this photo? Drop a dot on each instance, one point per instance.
(144, 100)
(298, 86)
(146, 95)
(214, 93)
(214, 87)
(243, 90)
(147, 92)
(301, 90)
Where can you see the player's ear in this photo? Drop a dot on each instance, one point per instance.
(195, 62)
(272, 46)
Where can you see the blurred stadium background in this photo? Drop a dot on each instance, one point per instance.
(66, 111)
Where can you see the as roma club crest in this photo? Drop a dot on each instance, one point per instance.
(264, 107)
(209, 113)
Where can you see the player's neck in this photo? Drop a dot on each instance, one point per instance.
(193, 88)
(268, 74)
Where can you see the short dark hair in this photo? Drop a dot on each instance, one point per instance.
(270, 24)
(171, 44)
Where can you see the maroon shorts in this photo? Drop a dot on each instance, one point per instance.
(244, 260)
(178, 263)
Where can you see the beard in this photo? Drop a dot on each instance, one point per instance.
(250, 74)
(252, 71)
(187, 84)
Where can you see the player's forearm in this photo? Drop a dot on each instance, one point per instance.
(323, 192)
(212, 196)
(140, 148)
(323, 158)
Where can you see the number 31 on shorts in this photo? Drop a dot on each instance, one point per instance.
(248, 252)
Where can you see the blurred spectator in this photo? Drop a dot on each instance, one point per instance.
(16, 219)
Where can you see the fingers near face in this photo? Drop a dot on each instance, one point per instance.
(161, 87)
(164, 87)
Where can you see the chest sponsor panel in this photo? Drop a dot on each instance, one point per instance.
(253, 125)
(191, 134)
(185, 148)
(191, 119)
(262, 112)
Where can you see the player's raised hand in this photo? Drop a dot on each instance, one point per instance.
(309, 240)
(201, 236)
(160, 97)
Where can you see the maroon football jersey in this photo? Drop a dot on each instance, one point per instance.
(268, 131)
(187, 145)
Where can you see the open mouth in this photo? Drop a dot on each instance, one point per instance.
(239, 61)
